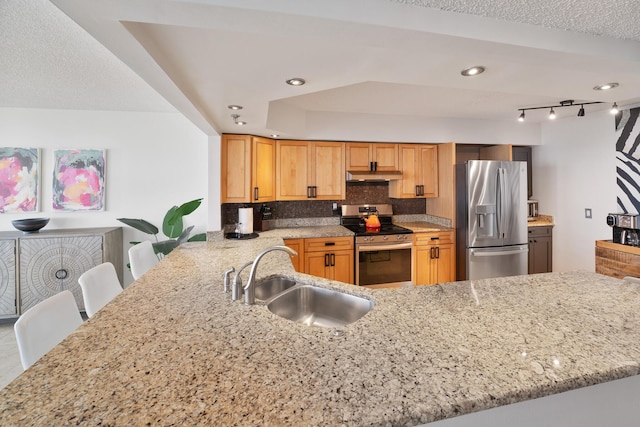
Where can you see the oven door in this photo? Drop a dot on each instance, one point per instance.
(384, 266)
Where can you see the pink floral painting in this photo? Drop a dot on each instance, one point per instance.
(78, 180)
(19, 179)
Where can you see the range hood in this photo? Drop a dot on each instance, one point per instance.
(359, 176)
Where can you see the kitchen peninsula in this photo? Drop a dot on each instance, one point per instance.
(174, 350)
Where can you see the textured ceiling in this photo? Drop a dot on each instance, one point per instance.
(613, 18)
(370, 58)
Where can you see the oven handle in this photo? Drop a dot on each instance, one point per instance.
(368, 248)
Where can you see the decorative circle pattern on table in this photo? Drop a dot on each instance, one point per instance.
(7, 277)
(51, 265)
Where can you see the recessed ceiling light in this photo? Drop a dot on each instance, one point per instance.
(472, 71)
(606, 86)
(296, 81)
(234, 107)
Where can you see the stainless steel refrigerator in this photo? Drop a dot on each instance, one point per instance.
(491, 219)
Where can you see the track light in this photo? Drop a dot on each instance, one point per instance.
(235, 118)
(614, 109)
(566, 103)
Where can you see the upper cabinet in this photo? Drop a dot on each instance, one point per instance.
(419, 166)
(247, 168)
(310, 170)
(371, 157)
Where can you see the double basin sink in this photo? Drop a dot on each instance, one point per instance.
(311, 305)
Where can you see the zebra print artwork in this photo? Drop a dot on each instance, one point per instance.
(628, 160)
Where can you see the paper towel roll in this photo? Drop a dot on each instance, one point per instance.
(245, 219)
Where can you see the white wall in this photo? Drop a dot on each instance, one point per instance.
(574, 169)
(154, 161)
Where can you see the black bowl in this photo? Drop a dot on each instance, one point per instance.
(30, 225)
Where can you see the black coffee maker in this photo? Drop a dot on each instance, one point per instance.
(626, 228)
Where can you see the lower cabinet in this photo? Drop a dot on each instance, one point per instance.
(540, 249)
(49, 262)
(434, 258)
(327, 257)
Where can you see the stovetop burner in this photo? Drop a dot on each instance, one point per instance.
(353, 219)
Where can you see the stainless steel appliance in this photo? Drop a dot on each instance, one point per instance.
(626, 228)
(492, 219)
(382, 258)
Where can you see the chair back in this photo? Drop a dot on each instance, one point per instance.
(142, 257)
(44, 325)
(99, 286)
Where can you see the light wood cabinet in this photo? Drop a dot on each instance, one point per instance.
(247, 169)
(310, 170)
(419, 166)
(298, 246)
(617, 260)
(330, 257)
(434, 258)
(540, 250)
(363, 156)
(51, 261)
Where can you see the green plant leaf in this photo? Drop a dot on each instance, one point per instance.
(140, 224)
(202, 237)
(165, 247)
(172, 224)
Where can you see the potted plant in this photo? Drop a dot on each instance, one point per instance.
(172, 227)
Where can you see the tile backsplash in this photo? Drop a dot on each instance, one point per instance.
(358, 193)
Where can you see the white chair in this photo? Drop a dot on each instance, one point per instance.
(44, 325)
(142, 257)
(99, 286)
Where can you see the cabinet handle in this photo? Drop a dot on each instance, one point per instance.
(329, 243)
(309, 194)
(333, 260)
(417, 190)
(431, 252)
(437, 252)
(421, 190)
(255, 193)
(375, 166)
(371, 166)
(315, 191)
(326, 260)
(435, 238)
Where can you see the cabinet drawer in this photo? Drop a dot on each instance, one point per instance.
(437, 238)
(328, 243)
(540, 231)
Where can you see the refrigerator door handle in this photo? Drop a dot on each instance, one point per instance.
(499, 253)
(502, 203)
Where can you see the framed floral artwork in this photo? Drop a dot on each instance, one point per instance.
(19, 177)
(79, 180)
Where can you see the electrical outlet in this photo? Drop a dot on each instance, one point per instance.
(587, 213)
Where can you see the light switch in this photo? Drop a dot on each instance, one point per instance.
(587, 213)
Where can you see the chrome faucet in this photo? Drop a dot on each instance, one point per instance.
(236, 287)
(227, 273)
(250, 288)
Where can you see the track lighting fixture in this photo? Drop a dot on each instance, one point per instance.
(552, 112)
(614, 109)
(235, 118)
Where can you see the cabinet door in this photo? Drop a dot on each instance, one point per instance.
(422, 265)
(446, 262)
(428, 170)
(8, 306)
(386, 157)
(51, 265)
(540, 255)
(292, 170)
(298, 246)
(359, 156)
(263, 163)
(408, 160)
(328, 174)
(235, 169)
(317, 264)
(343, 266)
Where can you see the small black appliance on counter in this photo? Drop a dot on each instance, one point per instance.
(626, 228)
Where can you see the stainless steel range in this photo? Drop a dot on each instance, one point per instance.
(382, 257)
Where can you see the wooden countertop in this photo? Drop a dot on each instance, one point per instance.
(172, 349)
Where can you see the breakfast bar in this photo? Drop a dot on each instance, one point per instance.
(173, 349)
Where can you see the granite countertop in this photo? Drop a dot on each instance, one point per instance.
(541, 221)
(172, 349)
(424, 227)
(308, 232)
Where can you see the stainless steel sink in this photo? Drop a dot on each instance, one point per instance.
(317, 306)
(273, 286)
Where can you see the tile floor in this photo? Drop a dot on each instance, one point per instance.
(10, 366)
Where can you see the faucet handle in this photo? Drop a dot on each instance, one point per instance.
(236, 288)
(227, 273)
